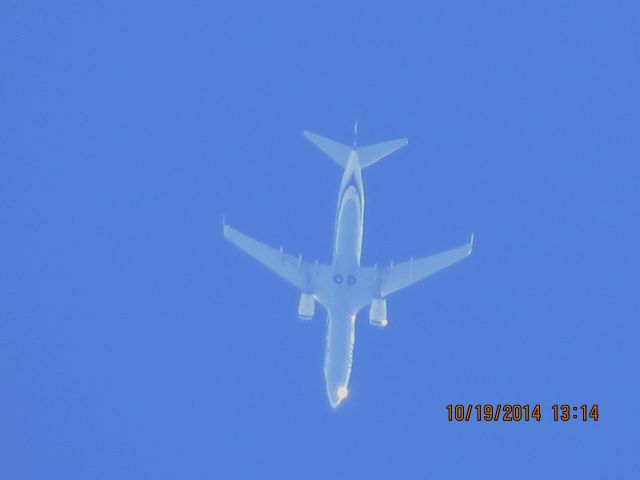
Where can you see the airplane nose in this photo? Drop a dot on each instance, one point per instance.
(336, 394)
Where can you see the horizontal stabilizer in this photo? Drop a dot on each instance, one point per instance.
(366, 155)
(369, 155)
(339, 152)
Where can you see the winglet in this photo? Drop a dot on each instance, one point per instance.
(470, 244)
(225, 226)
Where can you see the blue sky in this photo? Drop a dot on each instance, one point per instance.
(136, 343)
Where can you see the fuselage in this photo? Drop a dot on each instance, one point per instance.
(341, 310)
(343, 286)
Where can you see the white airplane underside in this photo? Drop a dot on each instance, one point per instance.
(345, 287)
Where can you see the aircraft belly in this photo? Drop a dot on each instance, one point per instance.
(338, 355)
(348, 242)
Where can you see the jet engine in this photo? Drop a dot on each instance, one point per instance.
(378, 312)
(306, 306)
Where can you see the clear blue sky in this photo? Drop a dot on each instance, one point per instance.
(136, 343)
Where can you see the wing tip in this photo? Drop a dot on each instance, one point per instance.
(470, 244)
(225, 226)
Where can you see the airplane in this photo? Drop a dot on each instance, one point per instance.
(344, 287)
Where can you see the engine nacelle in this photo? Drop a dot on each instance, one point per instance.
(306, 306)
(378, 312)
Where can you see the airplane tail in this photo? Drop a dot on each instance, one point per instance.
(366, 155)
(371, 154)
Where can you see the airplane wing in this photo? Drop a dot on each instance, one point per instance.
(296, 271)
(401, 275)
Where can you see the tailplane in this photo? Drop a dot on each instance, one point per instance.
(339, 152)
(371, 154)
(366, 155)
